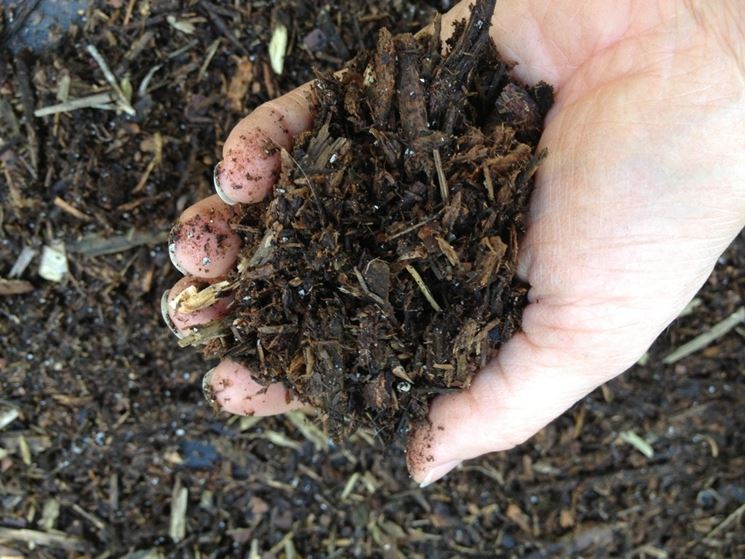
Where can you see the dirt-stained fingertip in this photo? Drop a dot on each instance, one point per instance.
(218, 188)
(208, 392)
(166, 315)
(174, 261)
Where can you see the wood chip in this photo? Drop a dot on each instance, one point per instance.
(53, 266)
(239, 83)
(15, 287)
(179, 503)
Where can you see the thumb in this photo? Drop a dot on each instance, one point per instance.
(519, 392)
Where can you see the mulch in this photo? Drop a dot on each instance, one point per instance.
(107, 448)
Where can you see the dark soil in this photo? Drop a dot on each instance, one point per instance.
(380, 274)
(113, 445)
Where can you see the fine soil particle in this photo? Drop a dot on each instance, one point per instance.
(381, 273)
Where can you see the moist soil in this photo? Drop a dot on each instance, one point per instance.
(107, 447)
(380, 274)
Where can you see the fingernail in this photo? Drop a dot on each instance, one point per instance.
(208, 391)
(166, 316)
(172, 254)
(220, 192)
(438, 472)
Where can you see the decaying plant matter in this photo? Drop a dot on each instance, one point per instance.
(381, 272)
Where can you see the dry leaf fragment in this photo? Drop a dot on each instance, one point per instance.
(278, 48)
(193, 299)
(53, 265)
(239, 83)
(181, 25)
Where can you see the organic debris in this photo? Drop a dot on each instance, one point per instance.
(361, 313)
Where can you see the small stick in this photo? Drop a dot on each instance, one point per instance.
(142, 90)
(27, 102)
(700, 342)
(423, 287)
(731, 519)
(72, 210)
(222, 27)
(488, 183)
(211, 50)
(39, 538)
(97, 101)
(415, 226)
(123, 102)
(128, 12)
(382, 303)
(441, 176)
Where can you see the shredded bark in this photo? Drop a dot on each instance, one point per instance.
(381, 273)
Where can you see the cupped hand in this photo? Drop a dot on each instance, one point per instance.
(642, 190)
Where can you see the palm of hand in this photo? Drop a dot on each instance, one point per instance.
(630, 211)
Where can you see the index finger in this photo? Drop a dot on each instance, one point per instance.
(251, 154)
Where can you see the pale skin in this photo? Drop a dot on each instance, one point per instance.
(643, 189)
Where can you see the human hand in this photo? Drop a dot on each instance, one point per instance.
(643, 189)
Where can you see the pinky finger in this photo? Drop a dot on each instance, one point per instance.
(232, 388)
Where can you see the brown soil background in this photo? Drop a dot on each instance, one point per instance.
(112, 432)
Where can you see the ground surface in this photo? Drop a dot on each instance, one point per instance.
(113, 449)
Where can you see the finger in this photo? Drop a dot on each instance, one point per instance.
(251, 155)
(180, 322)
(230, 387)
(202, 243)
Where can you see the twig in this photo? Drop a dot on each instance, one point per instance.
(441, 176)
(423, 287)
(128, 12)
(27, 101)
(17, 23)
(218, 22)
(96, 245)
(382, 303)
(123, 101)
(72, 210)
(97, 101)
(60, 541)
(415, 226)
(488, 183)
(92, 518)
(211, 50)
(142, 90)
(154, 162)
(703, 340)
(316, 199)
(738, 512)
